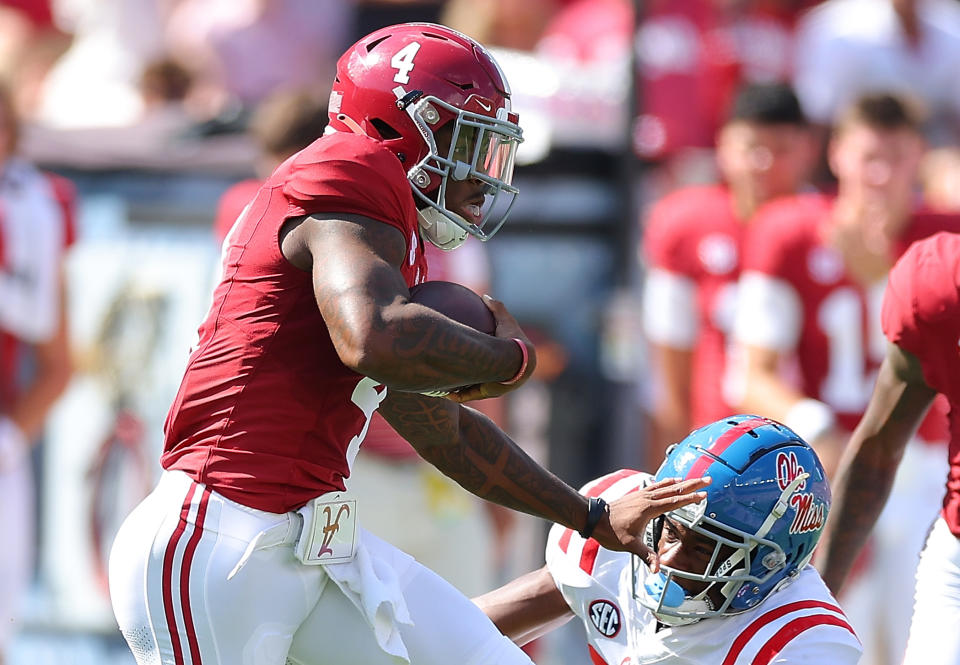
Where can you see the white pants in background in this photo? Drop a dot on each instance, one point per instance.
(17, 517)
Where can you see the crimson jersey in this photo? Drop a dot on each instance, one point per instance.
(266, 414)
(692, 242)
(921, 314)
(823, 316)
(800, 623)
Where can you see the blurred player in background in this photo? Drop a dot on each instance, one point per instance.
(848, 48)
(940, 178)
(283, 124)
(734, 584)
(808, 317)
(921, 320)
(692, 244)
(250, 549)
(36, 227)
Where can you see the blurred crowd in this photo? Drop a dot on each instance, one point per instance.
(782, 153)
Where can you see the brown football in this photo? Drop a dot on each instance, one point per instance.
(456, 302)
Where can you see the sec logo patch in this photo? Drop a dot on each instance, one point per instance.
(605, 617)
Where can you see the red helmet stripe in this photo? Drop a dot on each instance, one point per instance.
(722, 443)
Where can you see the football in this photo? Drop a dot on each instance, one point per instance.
(456, 302)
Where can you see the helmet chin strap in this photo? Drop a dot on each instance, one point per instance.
(350, 123)
(778, 511)
(441, 231)
(664, 592)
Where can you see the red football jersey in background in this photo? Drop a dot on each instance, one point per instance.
(840, 346)
(265, 397)
(921, 314)
(695, 235)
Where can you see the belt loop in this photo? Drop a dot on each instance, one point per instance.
(294, 527)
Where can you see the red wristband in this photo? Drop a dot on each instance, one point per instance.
(525, 358)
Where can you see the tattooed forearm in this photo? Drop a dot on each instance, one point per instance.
(468, 447)
(363, 298)
(869, 466)
(856, 508)
(493, 467)
(447, 353)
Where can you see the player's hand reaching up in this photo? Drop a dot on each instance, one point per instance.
(621, 528)
(508, 329)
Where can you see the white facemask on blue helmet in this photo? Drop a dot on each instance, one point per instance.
(764, 512)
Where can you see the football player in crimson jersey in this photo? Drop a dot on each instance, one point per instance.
(692, 242)
(921, 321)
(808, 320)
(250, 549)
(36, 228)
(457, 535)
(733, 586)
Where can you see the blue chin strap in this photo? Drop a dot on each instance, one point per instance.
(674, 595)
(670, 603)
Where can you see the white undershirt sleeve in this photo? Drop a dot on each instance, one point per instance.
(670, 309)
(769, 314)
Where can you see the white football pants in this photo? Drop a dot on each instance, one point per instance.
(180, 600)
(934, 635)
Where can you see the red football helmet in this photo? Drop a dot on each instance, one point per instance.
(404, 83)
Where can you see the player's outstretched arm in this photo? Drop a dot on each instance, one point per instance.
(374, 327)
(527, 607)
(869, 464)
(469, 448)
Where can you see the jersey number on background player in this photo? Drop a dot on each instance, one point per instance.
(848, 384)
(402, 61)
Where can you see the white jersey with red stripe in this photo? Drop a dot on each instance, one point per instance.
(799, 624)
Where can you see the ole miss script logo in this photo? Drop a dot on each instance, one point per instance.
(809, 514)
(605, 617)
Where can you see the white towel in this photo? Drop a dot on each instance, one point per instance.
(372, 582)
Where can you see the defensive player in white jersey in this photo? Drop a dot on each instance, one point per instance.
(733, 585)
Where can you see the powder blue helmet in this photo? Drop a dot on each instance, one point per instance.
(767, 503)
